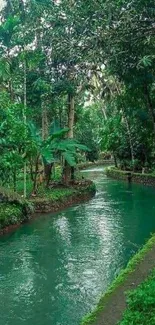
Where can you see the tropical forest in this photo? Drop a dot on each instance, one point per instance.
(77, 162)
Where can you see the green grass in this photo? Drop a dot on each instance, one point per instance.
(54, 194)
(20, 187)
(17, 209)
(92, 318)
(13, 213)
(62, 193)
(141, 304)
(10, 214)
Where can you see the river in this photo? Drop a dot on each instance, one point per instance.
(54, 269)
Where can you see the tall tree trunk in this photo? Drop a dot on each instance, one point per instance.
(115, 160)
(44, 120)
(31, 170)
(150, 107)
(127, 127)
(68, 172)
(71, 114)
(11, 90)
(10, 86)
(129, 137)
(45, 133)
(48, 170)
(60, 117)
(104, 112)
(36, 175)
(24, 118)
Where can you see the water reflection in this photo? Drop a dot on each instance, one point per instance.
(54, 270)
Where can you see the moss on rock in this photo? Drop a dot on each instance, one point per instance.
(145, 179)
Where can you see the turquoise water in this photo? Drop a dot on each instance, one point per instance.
(53, 270)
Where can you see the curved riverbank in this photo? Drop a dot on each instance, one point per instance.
(15, 211)
(55, 268)
(145, 179)
(61, 198)
(113, 303)
(97, 163)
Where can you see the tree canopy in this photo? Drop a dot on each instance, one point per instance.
(87, 67)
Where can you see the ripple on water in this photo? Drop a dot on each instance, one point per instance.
(54, 270)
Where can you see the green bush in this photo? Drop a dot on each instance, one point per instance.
(54, 194)
(10, 214)
(141, 304)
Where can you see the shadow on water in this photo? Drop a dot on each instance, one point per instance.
(53, 270)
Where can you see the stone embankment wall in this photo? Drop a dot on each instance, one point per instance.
(14, 210)
(145, 179)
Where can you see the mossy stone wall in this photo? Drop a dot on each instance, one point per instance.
(145, 179)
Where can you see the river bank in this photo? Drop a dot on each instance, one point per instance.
(112, 304)
(15, 211)
(138, 178)
(90, 164)
(64, 263)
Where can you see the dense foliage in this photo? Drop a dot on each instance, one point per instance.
(141, 304)
(10, 215)
(75, 75)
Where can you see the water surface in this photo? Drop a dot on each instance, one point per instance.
(53, 270)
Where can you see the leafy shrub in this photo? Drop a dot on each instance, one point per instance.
(10, 214)
(126, 164)
(141, 304)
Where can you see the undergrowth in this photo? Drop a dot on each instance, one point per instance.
(10, 214)
(141, 304)
(54, 194)
(91, 318)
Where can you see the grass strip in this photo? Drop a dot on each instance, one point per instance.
(91, 318)
(141, 304)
